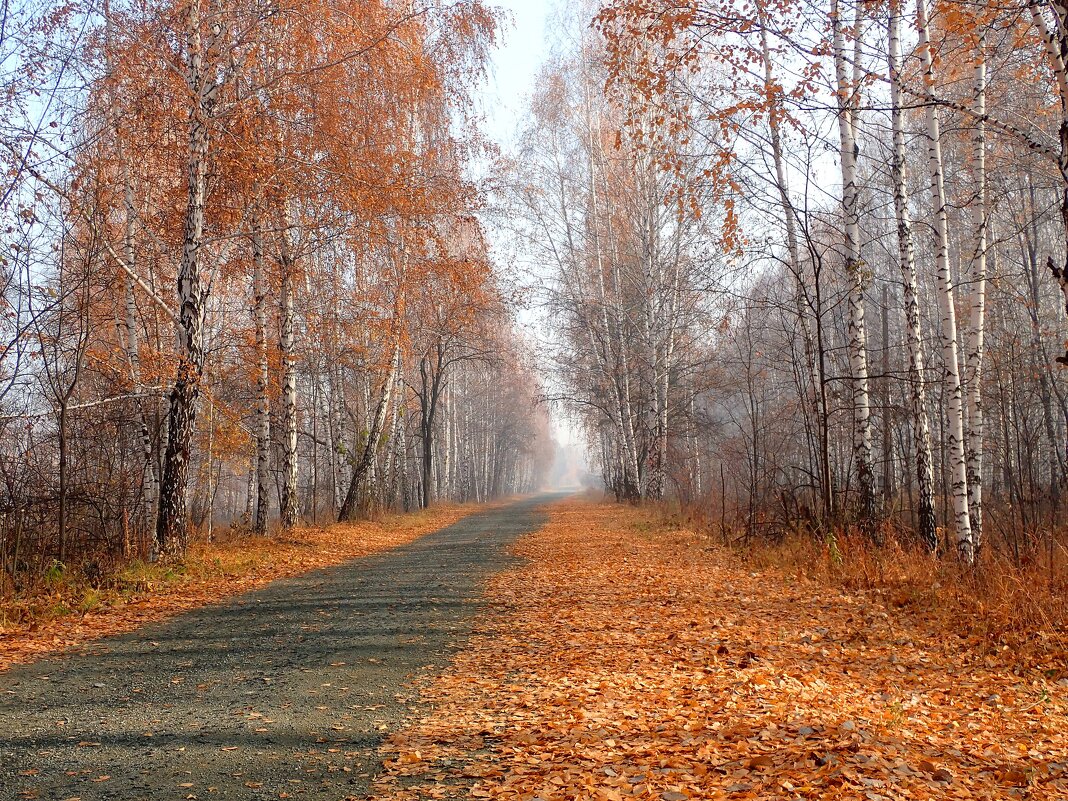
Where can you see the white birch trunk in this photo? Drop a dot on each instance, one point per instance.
(917, 395)
(854, 268)
(955, 406)
(287, 342)
(263, 398)
(977, 317)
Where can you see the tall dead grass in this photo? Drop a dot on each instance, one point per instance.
(1005, 601)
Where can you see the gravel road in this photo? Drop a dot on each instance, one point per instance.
(286, 692)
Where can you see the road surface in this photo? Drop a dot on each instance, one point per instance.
(286, 692)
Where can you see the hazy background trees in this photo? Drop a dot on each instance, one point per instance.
(239, 235)
(806, 262)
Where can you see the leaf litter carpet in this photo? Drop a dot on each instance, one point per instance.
(624, 661)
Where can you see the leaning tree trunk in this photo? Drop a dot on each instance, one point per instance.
(955, 405)
(1055, 40)
(810, 394)
(172, 527)
(358, 491)
(854, 268)
(1041, 368)
(921, 427)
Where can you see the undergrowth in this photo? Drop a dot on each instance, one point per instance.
(998, 602)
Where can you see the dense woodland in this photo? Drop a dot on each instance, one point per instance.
(244, 280)
(810, 262)
(805, 268)
(275, 289)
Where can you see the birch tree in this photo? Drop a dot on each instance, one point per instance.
(947, 303)
(202, 81)
(907, 262)
(848, 99)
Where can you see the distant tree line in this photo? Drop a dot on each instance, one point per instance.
(244, 280)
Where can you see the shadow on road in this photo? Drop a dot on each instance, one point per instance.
(286, 690)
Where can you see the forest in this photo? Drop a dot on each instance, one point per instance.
(809, 263)
(398, 401)
(798, 269)
(245, 282)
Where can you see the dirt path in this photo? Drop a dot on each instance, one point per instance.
(286, 692)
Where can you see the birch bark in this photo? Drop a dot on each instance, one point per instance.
(287, 341)
(172, 528)
(263, 398)
(357, 485)
(958, 467)
(854, 268)
(977, 315)
(906, 260)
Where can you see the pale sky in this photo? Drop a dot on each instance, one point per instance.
(515, 63)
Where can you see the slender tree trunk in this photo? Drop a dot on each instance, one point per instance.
(1055, 40)
(133, 344)
(287, 313)
(697, 479)
(889, 487)
(263, 395)
(61, 511)
(360, 470)
(826, 470)
(445, 463)
(389, 492)
(402, 451)
(612, 357)
(958, 479)
(1034, 306)
(210, 457)
(855, 270)
(977, 321)
(133, 352)
(810, 381)
(928, 524)
(431, 377)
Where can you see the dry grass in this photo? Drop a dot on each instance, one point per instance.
(1003, 603)
(62, 609)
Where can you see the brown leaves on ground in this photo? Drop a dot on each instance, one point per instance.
(139, 594)
(629, 662)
